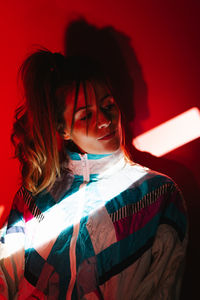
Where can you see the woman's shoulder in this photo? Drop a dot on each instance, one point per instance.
(149, 187)
(144, 176)
(156, 197)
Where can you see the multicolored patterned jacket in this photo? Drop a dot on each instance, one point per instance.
(107, 229)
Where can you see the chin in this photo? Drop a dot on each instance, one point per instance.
(109, 149)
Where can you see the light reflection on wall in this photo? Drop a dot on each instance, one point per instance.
(170, 135)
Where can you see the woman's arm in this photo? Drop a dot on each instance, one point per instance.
(163, 281)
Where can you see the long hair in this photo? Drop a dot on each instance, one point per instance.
(35, 126)
(46, 77)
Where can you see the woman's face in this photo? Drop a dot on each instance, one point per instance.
(97, 127)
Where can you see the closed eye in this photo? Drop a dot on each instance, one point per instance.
(86, 117)
(108, 106)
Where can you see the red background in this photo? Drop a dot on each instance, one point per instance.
(163, 39)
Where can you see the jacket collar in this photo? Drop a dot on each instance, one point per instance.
(95, 165)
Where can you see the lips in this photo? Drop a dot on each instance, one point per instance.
(107, 136)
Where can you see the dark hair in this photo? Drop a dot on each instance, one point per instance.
(46, 78)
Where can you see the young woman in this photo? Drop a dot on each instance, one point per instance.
(87, 223)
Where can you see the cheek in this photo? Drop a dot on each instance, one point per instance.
(80, 135)
(117, 118)
(79, 129)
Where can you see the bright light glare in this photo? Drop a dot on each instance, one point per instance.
(71, 209)
(14, 242)
(171, 134)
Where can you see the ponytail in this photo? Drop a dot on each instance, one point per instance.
(36, 122)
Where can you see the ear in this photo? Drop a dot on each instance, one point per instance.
(63, 132)
(66, 135)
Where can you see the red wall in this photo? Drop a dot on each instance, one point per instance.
(160, 43)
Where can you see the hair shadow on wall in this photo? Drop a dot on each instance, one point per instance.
(114, 51)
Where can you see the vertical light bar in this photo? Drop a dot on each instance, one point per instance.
(171, 134)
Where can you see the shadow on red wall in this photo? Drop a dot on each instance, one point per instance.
(113, 49)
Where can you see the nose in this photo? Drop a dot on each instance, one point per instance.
(103, 121)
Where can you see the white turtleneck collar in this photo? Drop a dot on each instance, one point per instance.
(101, 165)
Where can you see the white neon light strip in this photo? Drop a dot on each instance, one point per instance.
(170, 135)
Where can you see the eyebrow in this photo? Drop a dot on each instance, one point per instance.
(82, 107)
(88, 106)
(106, 96)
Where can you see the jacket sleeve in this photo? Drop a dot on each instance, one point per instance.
(12, 253)
(163, 281)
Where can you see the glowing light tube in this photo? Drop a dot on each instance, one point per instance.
(170, 135)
